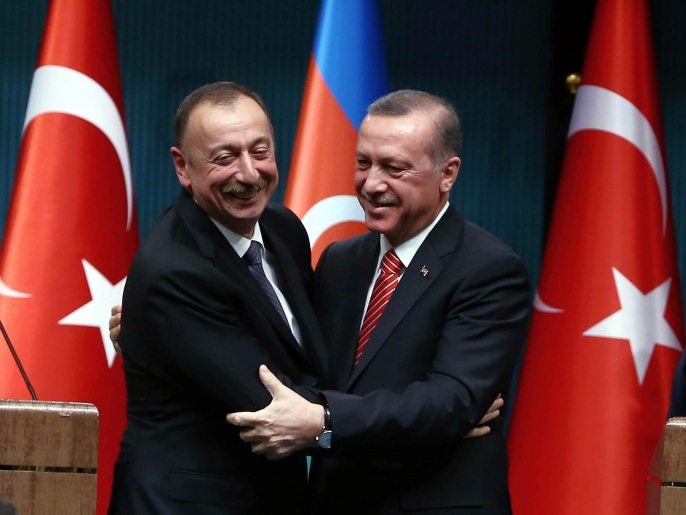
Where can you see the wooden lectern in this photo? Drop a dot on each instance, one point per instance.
(666, 493)
(49, 456)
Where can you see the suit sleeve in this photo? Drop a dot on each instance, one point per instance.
(481, 335)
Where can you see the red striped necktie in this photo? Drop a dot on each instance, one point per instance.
(385, 285)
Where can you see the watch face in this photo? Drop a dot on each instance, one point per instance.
(324, 439)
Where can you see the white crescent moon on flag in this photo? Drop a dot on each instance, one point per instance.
(329, 212)
(542, 306)
(597, 108)
(6, 291)
(600, 109)
(56, 89)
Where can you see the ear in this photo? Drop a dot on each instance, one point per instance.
(449, 173)
(180, 165)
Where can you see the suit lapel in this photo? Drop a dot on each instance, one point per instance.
(425, 268)
(291, 285)
(213, 245)
(360, 268)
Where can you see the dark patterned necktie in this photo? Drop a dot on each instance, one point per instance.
(253, 257)
(383, 289)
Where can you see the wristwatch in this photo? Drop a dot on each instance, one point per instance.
(324, 438)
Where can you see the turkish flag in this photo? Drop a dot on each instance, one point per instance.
(347, 72)
(71, 230)
(607, 327)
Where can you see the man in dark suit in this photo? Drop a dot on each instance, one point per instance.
(198, 323)
(408, 384)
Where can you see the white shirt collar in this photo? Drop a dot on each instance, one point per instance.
(408, 249)
(240, 243)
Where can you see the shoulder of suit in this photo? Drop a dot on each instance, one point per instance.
(349, 249)
(475, 233)
(278, 213)
(353, 242)
(482, 247)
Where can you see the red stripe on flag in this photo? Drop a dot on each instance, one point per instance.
(323, 160)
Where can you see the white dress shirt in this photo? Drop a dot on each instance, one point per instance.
(405, 252)
(241, 244)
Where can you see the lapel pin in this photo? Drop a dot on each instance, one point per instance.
(424, 271)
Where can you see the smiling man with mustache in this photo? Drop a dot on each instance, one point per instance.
(410, 377)
(198, 323)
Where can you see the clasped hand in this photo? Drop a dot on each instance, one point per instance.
(290, 422)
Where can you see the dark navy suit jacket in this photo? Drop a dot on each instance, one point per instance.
(195, 328)
(445, 347)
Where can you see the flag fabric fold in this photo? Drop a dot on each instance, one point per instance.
(607, 327)
(71, 229)
(347, 72)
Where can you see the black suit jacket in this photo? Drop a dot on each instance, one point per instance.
(445, 347)
(195, 328)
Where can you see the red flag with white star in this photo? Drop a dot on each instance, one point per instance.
(607, 328)
(71, 229)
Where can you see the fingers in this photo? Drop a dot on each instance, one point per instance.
(491, 415)
(497, 404)
(493, 412)
(255, 418)
(115, 326)
(478, 431)
(114, 334)
(115, 321)
(261, 439)
(270, 381)
(243, 418)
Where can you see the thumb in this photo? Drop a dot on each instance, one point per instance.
(270, 381)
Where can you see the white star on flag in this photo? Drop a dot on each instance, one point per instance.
(641, 320)
(104, 295)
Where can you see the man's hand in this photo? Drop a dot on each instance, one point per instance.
(492, 413)
(290, 423)
(115, 327)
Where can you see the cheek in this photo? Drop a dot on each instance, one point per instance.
(212, 176)
(359, 179)
(268, 170)
(272, 183)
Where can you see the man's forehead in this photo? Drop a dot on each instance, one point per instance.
(411, 128)
(240, 112)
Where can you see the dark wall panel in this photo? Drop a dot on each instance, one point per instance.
(490, 59)
(670, 42)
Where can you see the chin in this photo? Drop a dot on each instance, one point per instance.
(380, 226)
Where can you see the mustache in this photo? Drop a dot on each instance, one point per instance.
(245, 191)
(382, 199)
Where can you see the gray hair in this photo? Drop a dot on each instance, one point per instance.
(447, 138)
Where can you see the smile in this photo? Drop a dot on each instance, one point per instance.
(381, 202)
(242, 192)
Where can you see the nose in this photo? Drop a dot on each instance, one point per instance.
(247, 173)
(374, 181)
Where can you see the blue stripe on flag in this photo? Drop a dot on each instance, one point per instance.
(349, 52)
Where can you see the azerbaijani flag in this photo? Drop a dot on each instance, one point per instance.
(347, 72)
